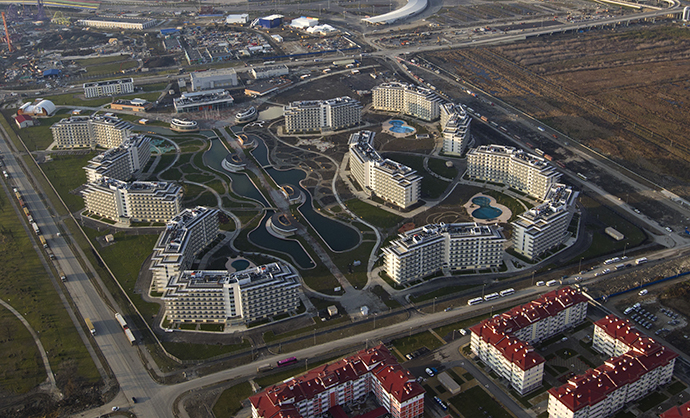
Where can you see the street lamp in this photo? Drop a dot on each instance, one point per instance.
(579, 266)
(530, 285)
(484, 285)
(625, 248)
(434, 305)
(375, 320)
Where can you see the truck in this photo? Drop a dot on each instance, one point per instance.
(35, 227)
(90, 326)
(43, 241)
(130, 336)
(121, 321)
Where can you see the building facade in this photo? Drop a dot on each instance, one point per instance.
(426, 250)
(322, 115)
(345, 382)
(134, 105)
(203, 100)
(545, 227)
(408, 99)
(213, 79)
(237, 298)
(513, 167)
(109, 88)
(121, 163)
(504, 342)
(269, 71)
(139, 201)
(117, 23)
(85, 131)
(455, 128)
(185, 235)
(643, 367)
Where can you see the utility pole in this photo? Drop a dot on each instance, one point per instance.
(434, 305)
(484, 285)
(532, 279)
(314, 336)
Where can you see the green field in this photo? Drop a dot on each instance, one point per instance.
(373, 215)
(66, 173)
(230, 401)
(186, 351)
(476, 403)
(431, 186)
(438, 166)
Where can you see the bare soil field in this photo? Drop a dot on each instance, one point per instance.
(623, 93)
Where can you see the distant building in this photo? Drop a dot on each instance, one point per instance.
(391, 181)
(134, 105)
(344, 383)
(39, 107)
(237, 19)
(269, 71)
(184, 125)
(545, 226)
(268, 22)
(233, 298)
(322, 115)
(203, 100)
(117, 23)
(120, 163)
(139, 201)
(263, 88)
(185, 235)
(408, 99)
(304, 22)
(504, 343)
(85, 131)
(213, 79)
(455, 128)
(109, 88)
(513, 167)
(23, 121)
(411, 8)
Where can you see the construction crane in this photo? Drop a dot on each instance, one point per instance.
(7, 33)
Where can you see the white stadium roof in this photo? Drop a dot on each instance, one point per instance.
(410, 9)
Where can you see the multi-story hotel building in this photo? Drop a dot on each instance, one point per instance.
(203, 100)
(545, 226)
(237, 298)
(117, 23)
(408, 99)
(428, 249)
(138, 201)
(455, 128)
(638, 366)
(109, 88)
(213, 79)
(343, 383)
(393, 182)
(85, 131)
(121, 163)
(513, 167)
(184, 236)
(322, 115)
(504, 342)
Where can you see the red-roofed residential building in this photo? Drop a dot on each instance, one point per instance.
(504, 342)
(344, 382)
(682, 411)
(622, 379)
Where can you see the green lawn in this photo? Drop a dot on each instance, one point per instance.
(475, 401)
(66, 173)
(511, 203)
(20, 363)
(443, 292)
(409, 344)
(676, 387)
(36, 137)
(651, 400)
(230, 401)
(431, 186)
(185, 351)
(373, 215)
(446, 329)
(438, 166)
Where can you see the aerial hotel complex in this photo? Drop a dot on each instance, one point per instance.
(85, 131)
(184, 236)
(346, 382)
(109, 88)
(513, 167)
(232, 298)
(322, 115)
(504, 342)
(638, 366)
(391, 181)
(428, 249)
(455, 128)
(139, 201)
(408, 99)
(120, 163)
(203, 100)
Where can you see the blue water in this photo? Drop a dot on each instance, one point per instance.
(240, 265)
(486, 211)
(261, 151)
(261, 237)
(399, 128)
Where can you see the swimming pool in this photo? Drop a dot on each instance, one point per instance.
(485, 211)
(400, 127)
(240, 265)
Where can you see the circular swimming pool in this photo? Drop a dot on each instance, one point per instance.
(400, 127)
(485, 211)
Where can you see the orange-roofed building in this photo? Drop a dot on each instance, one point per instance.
(504, 342)
(344, 382)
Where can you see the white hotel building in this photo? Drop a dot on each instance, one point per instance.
(234, 298)
(391, 181)
(455, 128)
(185, 235)
(139, 201)
(545, 226)
(504, 342)
(408, 99)
(638, 366)
(85, 131)
(109, 88)
(322, 115)
(513, 167)
(428, 249)
(121, 163)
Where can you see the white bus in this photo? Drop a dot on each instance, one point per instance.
(582, 176)
(507, 292)
(491, 296)
(475, 301)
